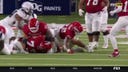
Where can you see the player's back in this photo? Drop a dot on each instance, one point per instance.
(11, 19)
(41, 31)
(66, 31)
(93, 6)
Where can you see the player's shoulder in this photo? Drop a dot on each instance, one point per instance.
(25, 27)
(20, 10)
(43, 23)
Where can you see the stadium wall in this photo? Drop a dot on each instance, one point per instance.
(45, 7)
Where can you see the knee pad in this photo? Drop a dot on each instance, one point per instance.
(96, 33)
(89, 34)
(105, 33)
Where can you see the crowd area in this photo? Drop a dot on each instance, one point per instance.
(34, 36)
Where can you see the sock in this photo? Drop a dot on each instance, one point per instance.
(116, 50)
(113, 41)
(105, 39)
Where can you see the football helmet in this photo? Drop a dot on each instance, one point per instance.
(46, 46)
(77, 27)
(27, 6)
(33, 25)
(2, 33)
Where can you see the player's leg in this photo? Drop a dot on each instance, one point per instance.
(96, 28)
(18, 47)
(79, 43)
(105, 37)
(4, 41)
(126, 30)
(116, 28)
(58, 43)
(104, 28)
(88, 22)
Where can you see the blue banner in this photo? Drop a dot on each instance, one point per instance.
(9, 6)
(50, 7)
(56, 7)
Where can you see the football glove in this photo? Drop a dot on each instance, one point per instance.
(81, 12)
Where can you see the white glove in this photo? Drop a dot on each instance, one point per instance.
(81, 12)
(112, 13)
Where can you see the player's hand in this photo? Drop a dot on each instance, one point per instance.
(111, 13)
(81, 12)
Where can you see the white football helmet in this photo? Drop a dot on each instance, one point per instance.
(27, 6)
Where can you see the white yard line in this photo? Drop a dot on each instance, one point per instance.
(53, 64)
(122, 42)
(62, 59)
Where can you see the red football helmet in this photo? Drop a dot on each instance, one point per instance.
(2, 33)
(33, 25)
(77, 27)
(46, 46)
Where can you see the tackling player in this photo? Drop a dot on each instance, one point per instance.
(14, 19)
(122, 11)
(38, 37)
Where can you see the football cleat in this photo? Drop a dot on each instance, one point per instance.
(95, 45)
(105, 46)
(114, 54)
(70, 51)
(24, 52)
(90, 49)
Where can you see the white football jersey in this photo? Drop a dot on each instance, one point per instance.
(11, 20)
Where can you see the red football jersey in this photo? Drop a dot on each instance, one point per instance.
(2, 29)
(38, 45)
(93, 6)
(35, 41)
(124, 11)
(66, 31)
(41, 31)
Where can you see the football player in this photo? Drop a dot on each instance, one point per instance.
(9, 45)
(104, 22)
(15, 19)
(93, 18)
(122, 11)
(38, 37)
(65, 36)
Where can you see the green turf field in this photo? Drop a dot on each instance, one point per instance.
(98, 58)
(63, 19)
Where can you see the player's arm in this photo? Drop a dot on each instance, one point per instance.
(80, 6)
(106, 3)
(118, 8)
(19, 19)
(67, 41)
(49, 35)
